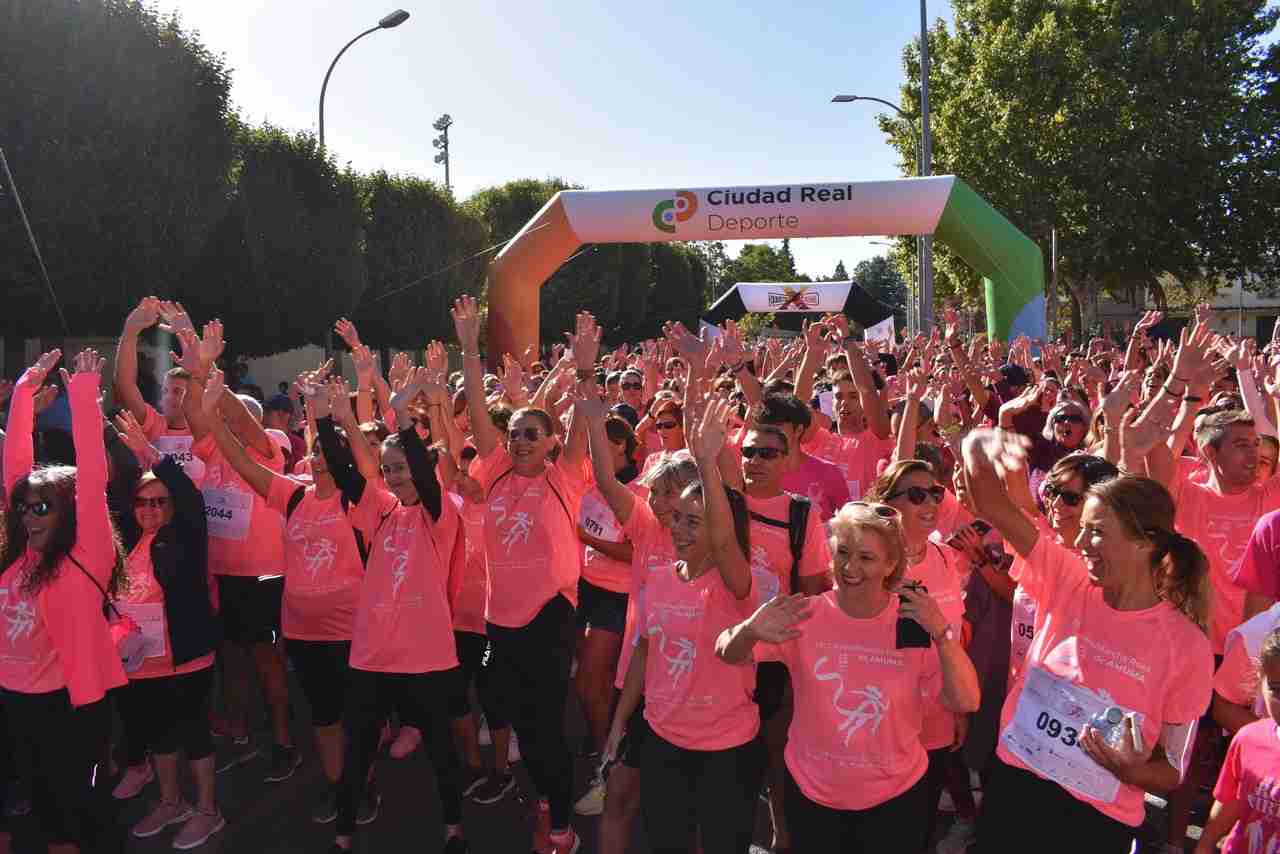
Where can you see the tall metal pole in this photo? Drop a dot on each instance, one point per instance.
(1052, 319)
(926, 167)
(324, 86)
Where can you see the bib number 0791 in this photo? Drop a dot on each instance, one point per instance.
(1054, 728)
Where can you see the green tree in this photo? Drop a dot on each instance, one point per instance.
(760, 262)
(287, 259)
(1144, 131)
(840, 275)
(417, 242)
(116, 126)
(878, 277)
(714, 259)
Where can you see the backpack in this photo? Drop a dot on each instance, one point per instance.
(797, 525)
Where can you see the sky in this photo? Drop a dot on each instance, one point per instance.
(608, 94)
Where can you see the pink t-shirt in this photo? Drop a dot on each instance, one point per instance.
(821, 482)
(938, 573)
(1237, 679)
(1221, 525)
(246, 536)
(597, 519)
(531, 536)
(692, 698)
(652, 549)
(59, 637)
(855, 739)
(144, 602)
(1022, 628)
(323, 570)
(468, 603)
(1087, 655)
(1258, 570)
(771, 546)
(857, 457)
(173, 443)
(1250, 777)
(403, 624)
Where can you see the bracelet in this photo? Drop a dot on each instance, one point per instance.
(1192, 398)
(467, 355)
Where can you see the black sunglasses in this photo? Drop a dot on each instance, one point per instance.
(918, 494)
(153, 503)
(39, 508)
(632, 386)
(1067, 418)
(750, 452)
(1071, 499)
(529, 434)
(666, 425)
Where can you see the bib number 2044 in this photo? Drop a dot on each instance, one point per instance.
(1054, 728)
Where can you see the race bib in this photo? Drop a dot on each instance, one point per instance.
(150, 619)
(1023, 627)
(1046, 729)
(229, 512)
(178, 449)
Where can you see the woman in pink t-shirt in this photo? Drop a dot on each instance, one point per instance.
(402, 648)
(1123, 640)
(323, 561)
(59, 558)
(165, 706)
(1246, 806)
(703, 760)
(855, 757)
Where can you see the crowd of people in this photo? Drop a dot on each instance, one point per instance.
(855, 579)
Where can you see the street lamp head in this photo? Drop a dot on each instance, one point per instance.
(395, 19)
(844, 99)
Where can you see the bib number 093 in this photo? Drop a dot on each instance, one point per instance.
(1054, 728)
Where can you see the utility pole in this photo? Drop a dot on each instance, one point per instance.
(1052, 319)
(926, 168)
(442, 142)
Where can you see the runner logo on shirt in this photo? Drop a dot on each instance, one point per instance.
(871, 707)
(399, 562)
(680, 664)
(20, 618)
(319, 555)
(521, 525)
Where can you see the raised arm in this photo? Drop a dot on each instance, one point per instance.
(255, 474)
(705, 432)
(864, 383)
(775, 621)
(586, 346)
(352, 465)
(422, 466)
(987, 455)
(914, 389)
(94, 536)
(815, 353)
(589, 409)
(128, 395)
(19, 446)
(466, 320)
(1191, 379)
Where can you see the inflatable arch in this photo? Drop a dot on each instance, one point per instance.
(1011, 264)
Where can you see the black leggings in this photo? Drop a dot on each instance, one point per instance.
(1019, 807)
(323, 672)
(713, 791)
(897, 824)
(532, 666)
(370, 697)
(476, 660)
(65, 745)
(165, 714)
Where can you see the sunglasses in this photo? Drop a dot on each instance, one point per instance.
(39, 508)
(884, 511)
(666, 425)
(153, 503)
(1067, 418)
(750, 452)
(918, 494)
(632, 386)
(1071, 499)
(529, 434)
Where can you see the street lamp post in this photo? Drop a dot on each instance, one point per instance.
(916, 312)
(926, 167)
(395, 19)
(442, 142)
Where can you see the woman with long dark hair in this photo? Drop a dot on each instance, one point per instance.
(60, 558)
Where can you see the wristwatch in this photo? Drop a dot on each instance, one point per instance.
(948, 634)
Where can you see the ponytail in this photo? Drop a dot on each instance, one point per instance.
(1181, 574)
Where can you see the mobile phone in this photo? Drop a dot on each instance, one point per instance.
(981, 527)
(910, 634)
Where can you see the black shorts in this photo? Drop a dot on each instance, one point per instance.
(250, 608)
(773, 688)
(631, 748)
(601, 609)
(324, 671)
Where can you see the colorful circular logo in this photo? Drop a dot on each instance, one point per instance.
(671, 211)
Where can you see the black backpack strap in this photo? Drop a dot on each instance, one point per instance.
(107, 605)
(294, 501)
(798, 516)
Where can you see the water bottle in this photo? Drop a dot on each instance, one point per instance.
(1110, 725)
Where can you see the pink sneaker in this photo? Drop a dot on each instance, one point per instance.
(161, 817)
(198, 829)
(564, 843)
(406, 742)
(542, 827)
(135, 779)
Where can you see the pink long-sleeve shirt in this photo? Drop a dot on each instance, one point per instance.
(58, 637)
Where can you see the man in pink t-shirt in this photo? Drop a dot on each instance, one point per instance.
(1258, 570)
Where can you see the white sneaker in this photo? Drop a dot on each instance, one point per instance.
(591, 803)
(962, 833)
